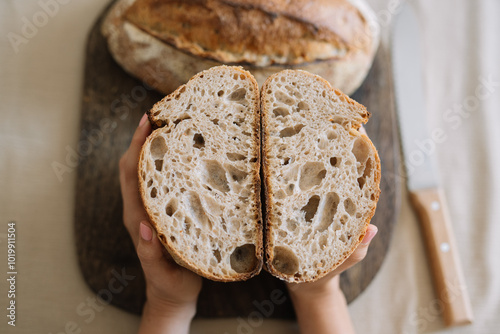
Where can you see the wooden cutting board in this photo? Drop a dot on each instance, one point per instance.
(113, 102)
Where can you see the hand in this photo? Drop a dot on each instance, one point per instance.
(171, 290)
(321, 306)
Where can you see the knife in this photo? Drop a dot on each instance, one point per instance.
(423, 184)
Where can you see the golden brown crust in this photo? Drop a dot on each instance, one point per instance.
(267, 184)
(179, 259)
(165, 67)
(258, 32)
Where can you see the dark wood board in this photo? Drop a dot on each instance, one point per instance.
(113, 102)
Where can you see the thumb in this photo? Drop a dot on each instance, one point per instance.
(150, 251)
(359, 254)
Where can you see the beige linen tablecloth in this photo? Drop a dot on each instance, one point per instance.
(41, 69)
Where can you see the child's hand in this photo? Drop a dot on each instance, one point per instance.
(171, 290)
(321, 306)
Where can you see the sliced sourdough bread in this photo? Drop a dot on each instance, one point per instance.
(199, 174)
(321, 175)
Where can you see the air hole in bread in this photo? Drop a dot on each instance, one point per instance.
(366, 174)
(172, 238)
(243, 259)
(372, 197)
(223, 224)
(291, 131)
(150, 183)
(195, 248)
(220, 93)
(337, 120)
(239, 121)
(285, 261)
(242, 77)
(289, 189)
(187, 225)
(286, 161)
(171, 207)
(302, 106)
(217, 255)
(154, 192)
(163, 239)
(215, 175)
(159, 165)
(350, 207)
(329, 210)
(166, 190)
(323, 242)
(361, 150)
(311, 175)
(199, 141)
(215, 121)
(158, 148)
(311, 207)
(238, 95)
(198, 211)
(236, 174)
(284, 98)
(291, 225)
(331, 135)
(344, 219)
(280, 194)
(280, 111)
(335, 161)
(253, 160)
(181, 118)
(343, 238)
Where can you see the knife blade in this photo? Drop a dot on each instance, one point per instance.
(426, 195)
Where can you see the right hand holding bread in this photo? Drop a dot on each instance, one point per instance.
(320, 306)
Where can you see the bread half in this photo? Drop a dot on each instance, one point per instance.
(199, 174)
(321, 175)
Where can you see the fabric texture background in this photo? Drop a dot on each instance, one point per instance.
(40, 92)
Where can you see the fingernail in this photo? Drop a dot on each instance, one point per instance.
(146, 232)
(143, 119)
(370, 233)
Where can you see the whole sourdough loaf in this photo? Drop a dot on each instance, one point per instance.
(199, 174)
(166, 42)
(321, 175)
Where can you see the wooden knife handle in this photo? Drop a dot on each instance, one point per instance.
(449, 281)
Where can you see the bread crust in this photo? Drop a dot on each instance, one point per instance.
(267, 184)
(178, 258)
(165, 66)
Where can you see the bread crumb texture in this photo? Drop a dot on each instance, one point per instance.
(199, 174)
(322, 176)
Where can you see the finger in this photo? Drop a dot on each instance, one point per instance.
(362, 130)
(359, 254)
(133, 210)
(129, 160)
(150, 253)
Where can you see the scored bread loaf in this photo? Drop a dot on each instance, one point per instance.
(320, 174)
(166, 42)
(199, 174)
